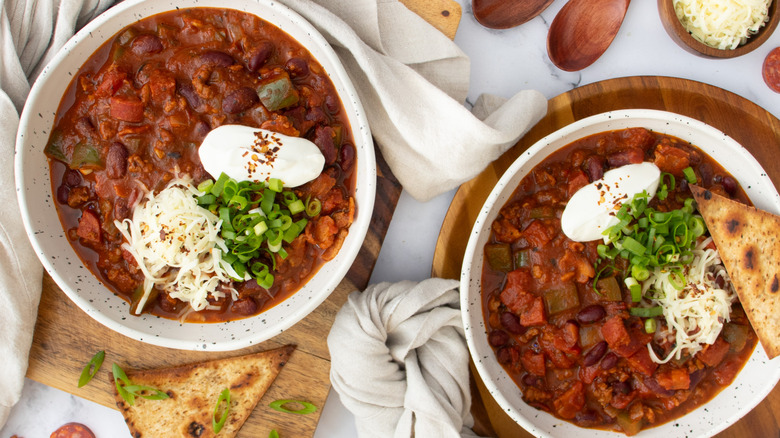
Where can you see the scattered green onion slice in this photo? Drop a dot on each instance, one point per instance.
(120, 381)
(223, 402)
(92, 368)
(307, 408)
(147, 392)
(273, 434)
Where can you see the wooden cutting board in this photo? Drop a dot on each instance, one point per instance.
(65, 337)
(746, 122)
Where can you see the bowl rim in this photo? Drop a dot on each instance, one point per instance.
(473, 320)
(288, 21)
(675, 29)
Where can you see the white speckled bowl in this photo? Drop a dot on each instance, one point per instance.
(752, 384)
(48, 238)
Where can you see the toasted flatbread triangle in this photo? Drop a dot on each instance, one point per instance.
(748, 241)
(194, 390)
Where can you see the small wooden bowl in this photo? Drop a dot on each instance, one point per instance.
(683, 38)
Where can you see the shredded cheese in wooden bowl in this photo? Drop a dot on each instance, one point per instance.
(722, 24)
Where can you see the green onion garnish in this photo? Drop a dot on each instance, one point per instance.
(650, 325)
(689, 175)
(273, 434)
(257, 219)
(223, 405)
(129, 391)
(92, 368)
(306, 407)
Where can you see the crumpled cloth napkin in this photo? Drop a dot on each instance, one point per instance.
(411, 79)
(399, 361)
(31, 32)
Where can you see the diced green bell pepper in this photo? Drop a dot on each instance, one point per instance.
(562, 298)
(499, 256)
(277, 92)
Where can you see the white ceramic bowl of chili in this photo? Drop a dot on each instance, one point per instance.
(751, 385)
(63, 264)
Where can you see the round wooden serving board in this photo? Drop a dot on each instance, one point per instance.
(749, 124)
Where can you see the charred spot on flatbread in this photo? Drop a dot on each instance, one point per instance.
(748, 258)
(195, 388)
(747, 242)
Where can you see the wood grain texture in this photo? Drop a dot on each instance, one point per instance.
(749, 124)
(442, 14)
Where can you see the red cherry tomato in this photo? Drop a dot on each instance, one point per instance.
(771, 70)
(73, 430)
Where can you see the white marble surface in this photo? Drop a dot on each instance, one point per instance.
(502, 63)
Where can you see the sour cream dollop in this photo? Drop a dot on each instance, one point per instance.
(252, 154)
(592, 209)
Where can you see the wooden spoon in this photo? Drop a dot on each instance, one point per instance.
(503, 14)
(583, 30)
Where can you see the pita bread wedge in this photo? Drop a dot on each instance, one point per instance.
(748, 241)
(194, 390)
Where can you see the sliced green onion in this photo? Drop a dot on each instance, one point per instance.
(221, 409)
(635, 288)
(273, 434)
(206, 186)
(647, 312)
(120, 380)
(92, 368)
(313, 207)
(275, 184)
(650, 325)
(146, 392)
(306, 407)
(689, 175)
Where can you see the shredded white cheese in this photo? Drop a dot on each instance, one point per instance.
(723, 24)
(176, 244)
(695, 315)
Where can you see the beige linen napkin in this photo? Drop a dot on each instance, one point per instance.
(411, 79)
(399, 360)
(30, 34)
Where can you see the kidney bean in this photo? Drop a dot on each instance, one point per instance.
(215, 57)
(296, 67)
(323, 138)
(116, 160)
(240, 100)
(201, 128)
(609, 361)
(729, 185)
(498, 338)
(259, 55)
(332, 103)
(145, 43)
(657, 388)
(62, 194)
(587, 417)
(72, 177)
(591, 313)
(627, 156)
(595, 354)
(511, 323)
(621, 387)
(244, 306)
(504, 355)
(531, 380)
(189, 94)
(347, 157)
(594, 165)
